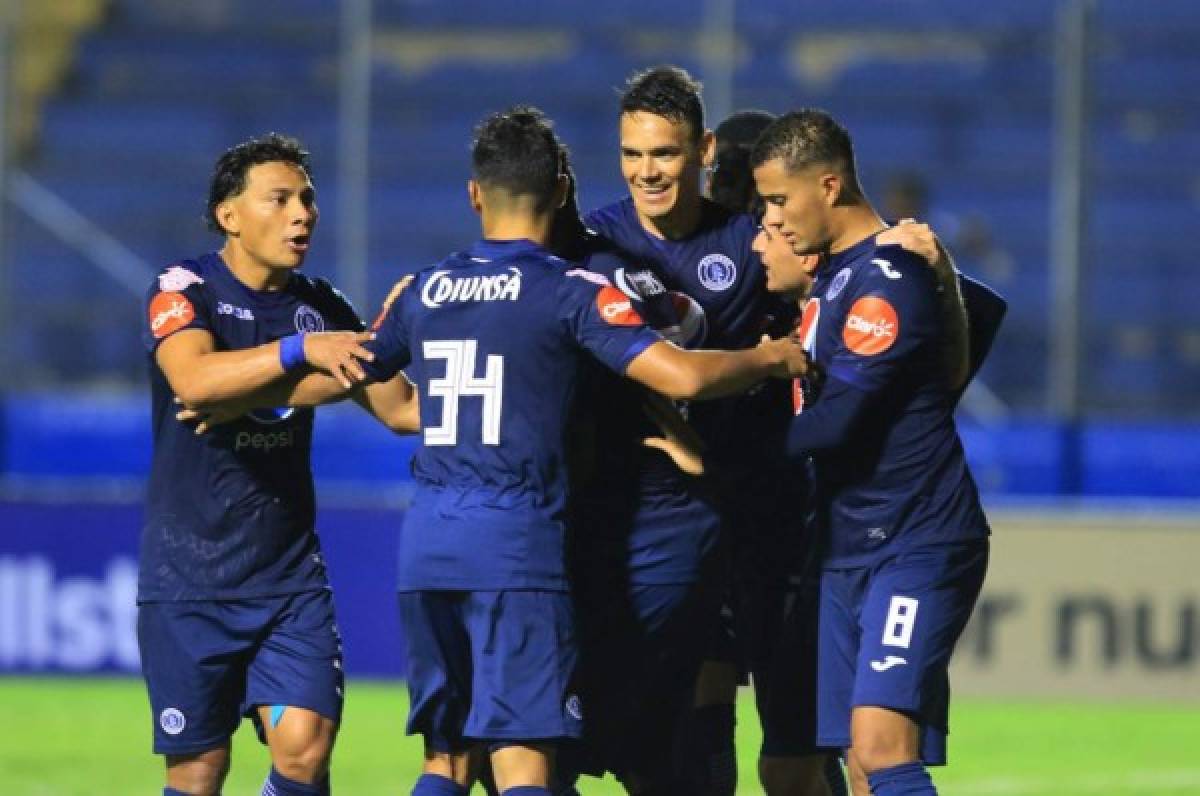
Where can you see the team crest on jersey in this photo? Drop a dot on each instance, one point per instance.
(616, 308)
(839, 284)
(443, 288)
(717, 272)
(309, 320)
(872, 326)
(172, 721)
(169, 312)
(177, 278)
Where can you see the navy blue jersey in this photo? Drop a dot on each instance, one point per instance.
(230, 514)
(716, 266)
(495, 340)
(873, 325)
(613, 406)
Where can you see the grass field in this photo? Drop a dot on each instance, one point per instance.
(63, 737)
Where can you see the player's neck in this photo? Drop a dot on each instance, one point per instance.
(681, 222)
(517, 227)
(857, 222)
(252, 272)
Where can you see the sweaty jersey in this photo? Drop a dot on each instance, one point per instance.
(230, 514)
(495, 339)
(716, 266)
(898, 478)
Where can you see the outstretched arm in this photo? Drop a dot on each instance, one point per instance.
(699, 375)
(203, 376)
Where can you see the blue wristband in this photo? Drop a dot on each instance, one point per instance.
(291, 352)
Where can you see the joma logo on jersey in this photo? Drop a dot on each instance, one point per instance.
(442, 288)
(241, 313)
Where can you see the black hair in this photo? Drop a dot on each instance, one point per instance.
(806, 137)
(517, 151)
(229, 174)
(669, 92)
(732, 184)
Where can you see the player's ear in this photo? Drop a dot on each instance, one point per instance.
(708, 149)
(227, 218)
(475, 196)
(832, 188)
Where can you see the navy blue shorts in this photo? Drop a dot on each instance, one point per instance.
(207, 664)
(642, 649)
(886, 635)
(490, 666)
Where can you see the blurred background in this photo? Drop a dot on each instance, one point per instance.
(1055, 146)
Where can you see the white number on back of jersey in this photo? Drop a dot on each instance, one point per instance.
(460, 381)
(901, 618)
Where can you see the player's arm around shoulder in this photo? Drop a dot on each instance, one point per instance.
(920, 239)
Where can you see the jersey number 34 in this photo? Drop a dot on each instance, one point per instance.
(460, 381)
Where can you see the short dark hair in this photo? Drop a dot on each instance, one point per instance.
(669, 92)
(229, 174)
(805, 137)
(517, 151)
(732, 182)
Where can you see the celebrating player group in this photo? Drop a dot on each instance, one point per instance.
(677, 443)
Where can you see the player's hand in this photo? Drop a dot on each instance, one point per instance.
(338, 354)
(392, 295)
(788, 357)
(914, 236)
(206, 419)
(678, 440)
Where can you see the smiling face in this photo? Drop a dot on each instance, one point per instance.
(798, 205)
(661, 161)
(270, 223)
(787, 272)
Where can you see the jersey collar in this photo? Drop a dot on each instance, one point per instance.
(488, 250)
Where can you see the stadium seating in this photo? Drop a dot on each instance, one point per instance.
(961, 93)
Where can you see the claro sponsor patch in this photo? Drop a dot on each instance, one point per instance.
(169, 312)
(616, 308)
(872, 326)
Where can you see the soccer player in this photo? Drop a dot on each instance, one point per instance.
(494, 339)
(644, 539)
(904, 539)
(702, 250)
(235, 615)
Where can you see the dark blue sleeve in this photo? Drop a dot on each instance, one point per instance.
(985, 312)
(892, 314)
(176, 301)
(391, 343)
(829, 422)
(603, 320)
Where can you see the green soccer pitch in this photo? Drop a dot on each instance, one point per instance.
(75, 737)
